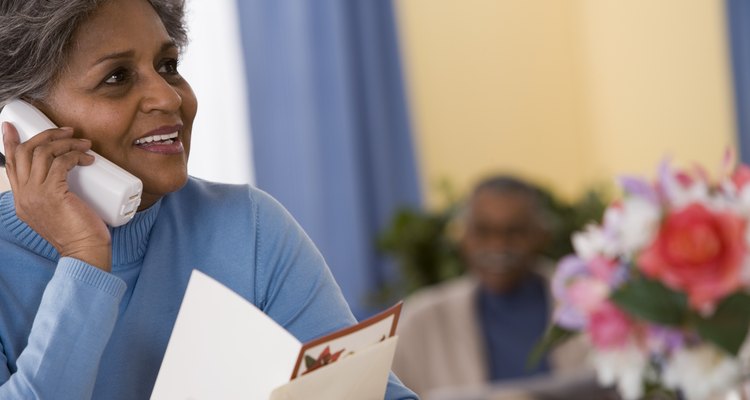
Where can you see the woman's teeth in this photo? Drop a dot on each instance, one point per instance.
(166, 139)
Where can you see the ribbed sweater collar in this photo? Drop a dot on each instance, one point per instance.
(129, 242)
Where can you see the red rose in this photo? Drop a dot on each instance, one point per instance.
(699, 252)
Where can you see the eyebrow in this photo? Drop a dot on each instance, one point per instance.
(129, 53)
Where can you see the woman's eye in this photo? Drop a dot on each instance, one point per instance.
(169, 67)
(119, 76)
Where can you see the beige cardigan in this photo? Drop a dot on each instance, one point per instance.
(440, 342)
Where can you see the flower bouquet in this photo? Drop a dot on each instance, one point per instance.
(661, 288)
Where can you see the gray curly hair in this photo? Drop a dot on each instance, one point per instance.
(35, 36)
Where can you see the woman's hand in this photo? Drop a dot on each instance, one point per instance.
(38, 170)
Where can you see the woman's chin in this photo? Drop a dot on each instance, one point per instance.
(155, 190)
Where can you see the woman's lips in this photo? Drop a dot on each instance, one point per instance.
(157, 138)
(164, 140)
(171, 146)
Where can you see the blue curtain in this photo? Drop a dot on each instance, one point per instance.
(331, 137)
(738, 15)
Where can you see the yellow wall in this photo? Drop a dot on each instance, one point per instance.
(659, 83)
(565, 92)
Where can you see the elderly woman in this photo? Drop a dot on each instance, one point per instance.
(86, 310)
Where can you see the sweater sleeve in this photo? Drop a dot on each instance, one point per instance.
(294, 285)
(72, 326)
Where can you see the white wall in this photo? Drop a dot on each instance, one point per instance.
(3, 181)
(213, 64)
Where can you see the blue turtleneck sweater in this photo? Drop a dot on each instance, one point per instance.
(69, 330)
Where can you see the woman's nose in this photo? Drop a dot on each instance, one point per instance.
(159, 95)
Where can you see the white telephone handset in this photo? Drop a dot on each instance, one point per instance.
(110, 190)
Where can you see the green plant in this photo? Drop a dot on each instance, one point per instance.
(418, 241)
(568, 217)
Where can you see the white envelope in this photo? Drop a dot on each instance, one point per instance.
(362, 375)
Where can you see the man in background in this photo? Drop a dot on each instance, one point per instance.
(482, 327)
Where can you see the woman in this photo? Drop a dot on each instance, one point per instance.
(86, 311)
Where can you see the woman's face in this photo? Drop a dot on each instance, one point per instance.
(121, 90)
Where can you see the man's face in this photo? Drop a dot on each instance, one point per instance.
(502, 238)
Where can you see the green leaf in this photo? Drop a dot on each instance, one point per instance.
(652, 301)
(554, 336)
(309, 361)
(728, 326)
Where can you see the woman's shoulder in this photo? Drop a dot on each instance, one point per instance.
(200, 197)
(205, 190)
(209, 192)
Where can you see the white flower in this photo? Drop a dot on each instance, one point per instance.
(737, 199)
(598, 240)
(624, 367)
(589, 242)
(680, 194)
(638, 224)
(700, 371)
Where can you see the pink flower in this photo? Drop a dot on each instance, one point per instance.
(699, 252)
(741, 177)
(609, 327)
(587, 294)
(580, 288)
(567, 314)
(606, 270)
(684, 179)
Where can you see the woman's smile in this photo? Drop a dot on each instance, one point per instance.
(164, 140)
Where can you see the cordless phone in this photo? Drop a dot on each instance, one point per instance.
(112, 192)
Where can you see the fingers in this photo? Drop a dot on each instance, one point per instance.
(10, 142)
(55, 157)
(5, 127)
(34, 160)
(58, 170)
(23, 153)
